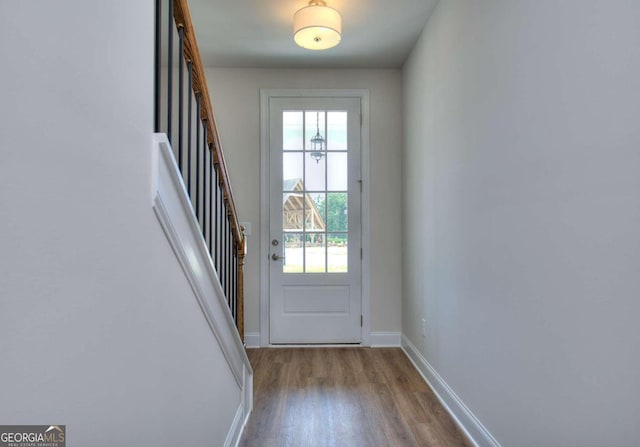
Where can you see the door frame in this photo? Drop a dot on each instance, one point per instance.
(265, 95)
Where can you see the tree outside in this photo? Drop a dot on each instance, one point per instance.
(335, 208)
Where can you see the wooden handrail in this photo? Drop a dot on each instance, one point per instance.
(182, 17)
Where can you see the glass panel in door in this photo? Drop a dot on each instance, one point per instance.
(315, 191)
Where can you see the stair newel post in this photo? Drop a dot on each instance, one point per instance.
(240, 285)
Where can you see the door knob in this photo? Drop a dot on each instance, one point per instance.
(275, 257)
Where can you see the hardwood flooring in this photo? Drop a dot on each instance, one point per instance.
(344, 397)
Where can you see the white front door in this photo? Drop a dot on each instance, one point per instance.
(314, 224)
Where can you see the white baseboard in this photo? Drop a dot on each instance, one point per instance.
(385, 339)
(466, 420)
(252, 339)
(235, 431)
(378, 340)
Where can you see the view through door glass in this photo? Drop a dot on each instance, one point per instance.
(315, 212)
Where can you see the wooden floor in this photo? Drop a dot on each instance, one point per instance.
(343, 397)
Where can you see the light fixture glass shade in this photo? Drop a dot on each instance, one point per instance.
(317, 27)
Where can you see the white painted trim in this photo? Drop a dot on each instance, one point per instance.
(365, 218)
(252, 339)
(466, 420)
(264, 217)
(315, 345)
(247, 394)
(265, 94)
(242, 414)
(235, 432)
(386, 339)
(175, 213)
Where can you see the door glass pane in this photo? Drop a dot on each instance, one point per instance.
(337, 252)
(314, 216)
(337, 218)
(292, 135)
(292, 171)
(293, 253)
(314, 179)
(337, 176)
(315, 253)
(337, 131)
(292, 211)
(314, 123)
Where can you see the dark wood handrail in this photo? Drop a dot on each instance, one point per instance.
(182, 17)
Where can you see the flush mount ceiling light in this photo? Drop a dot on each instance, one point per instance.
(317, 27)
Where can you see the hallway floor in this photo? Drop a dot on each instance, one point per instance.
(344, 397)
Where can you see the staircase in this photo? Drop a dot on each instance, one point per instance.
(192, 196)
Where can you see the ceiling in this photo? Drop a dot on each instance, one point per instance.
(259, 33)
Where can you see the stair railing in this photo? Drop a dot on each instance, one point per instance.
(183, 111)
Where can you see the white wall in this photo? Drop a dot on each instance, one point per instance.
(522, 216)
(235, 94)
(99, 329)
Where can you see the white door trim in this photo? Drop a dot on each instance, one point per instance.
(265, 95)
